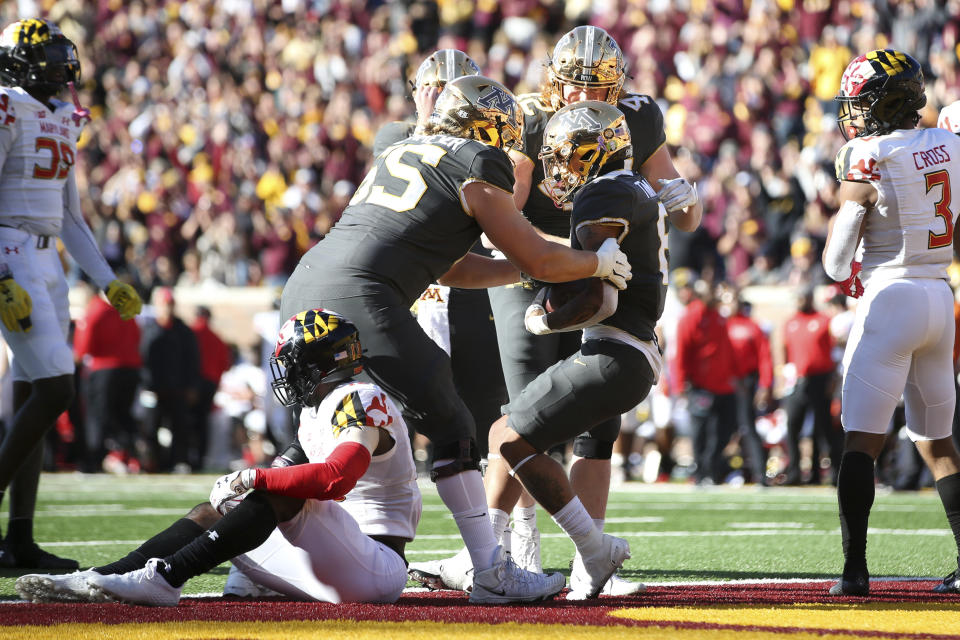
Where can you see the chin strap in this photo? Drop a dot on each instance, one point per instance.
(81, 115)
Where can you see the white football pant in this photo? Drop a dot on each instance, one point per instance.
(43, 352)
(901, 344)
(321, 554)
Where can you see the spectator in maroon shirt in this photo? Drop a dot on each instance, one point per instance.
(215, 359)
(706, 372)
(808, 347)
(751, 349)
(109, 350)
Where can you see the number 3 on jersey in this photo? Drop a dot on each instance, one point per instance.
(395, 164)
(61, 159)
(941, 209)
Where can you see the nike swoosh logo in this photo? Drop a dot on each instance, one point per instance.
(580, 362)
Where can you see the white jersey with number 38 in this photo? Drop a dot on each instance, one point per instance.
(37, 151)
(909, 234)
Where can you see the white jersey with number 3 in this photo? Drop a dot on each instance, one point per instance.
(909, 233)
(37, 150)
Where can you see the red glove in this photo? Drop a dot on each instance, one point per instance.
(852, 285)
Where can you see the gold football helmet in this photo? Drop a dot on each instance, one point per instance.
(578, 141)
(442, 66)
(481, 109)
(587, 57)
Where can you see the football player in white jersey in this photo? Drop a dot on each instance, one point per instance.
(294, 536)
(895, 192)
(39, 204)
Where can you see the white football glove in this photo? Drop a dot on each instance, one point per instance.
(677, 194)
(535, 320)
(612, 264)
(228, 490)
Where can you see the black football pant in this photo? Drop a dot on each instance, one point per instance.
(812, 393)
(110, 425)
(713, 420)
(750, 443)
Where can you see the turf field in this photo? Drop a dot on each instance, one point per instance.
(678, 533)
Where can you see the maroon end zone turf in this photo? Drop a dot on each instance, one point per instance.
(449, 606)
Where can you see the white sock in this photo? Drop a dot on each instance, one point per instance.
(499, 520)
(598, 523)
(525, 518)
(464, 495)
(576, 522)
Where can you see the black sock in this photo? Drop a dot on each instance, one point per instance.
(855, 492)
(168, 541)
(949, 489)
(20, 531)
(1, 504)
(241, 530)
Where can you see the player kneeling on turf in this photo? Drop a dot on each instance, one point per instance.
(332, 528)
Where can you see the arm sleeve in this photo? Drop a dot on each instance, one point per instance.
(79, 240)
(327, 480)
(843, 241)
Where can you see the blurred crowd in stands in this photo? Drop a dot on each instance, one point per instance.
(228, 136)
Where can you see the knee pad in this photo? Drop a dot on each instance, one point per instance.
(592, 448)
(465, 454)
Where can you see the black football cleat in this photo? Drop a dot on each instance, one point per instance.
(950, 584)
(852, 583)
(31, 556)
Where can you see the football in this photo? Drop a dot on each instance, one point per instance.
(560, 293)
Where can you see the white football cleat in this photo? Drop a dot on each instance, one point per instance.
(618, 586)
(239, 584)
(525, 542)
(506, 582)
(143, 586)
(55, 587)
(455, 572)
(590, 574)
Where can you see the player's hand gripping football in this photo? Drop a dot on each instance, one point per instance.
(852, 286)
(535, 320)
(228, 490)
(124, 299)
(612, 264)
(677, 194)
(15, 303)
